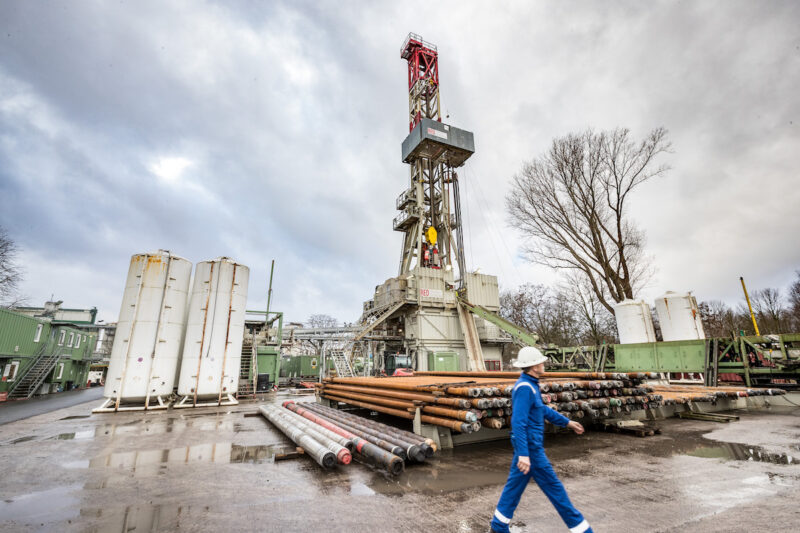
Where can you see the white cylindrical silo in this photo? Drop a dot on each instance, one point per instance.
(634, 322)
(149, 337)
(679, 317)
(212, 349)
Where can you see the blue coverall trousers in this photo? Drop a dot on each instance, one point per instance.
(542, 472)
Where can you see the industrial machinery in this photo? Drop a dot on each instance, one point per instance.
(418, 313)
(261, 354)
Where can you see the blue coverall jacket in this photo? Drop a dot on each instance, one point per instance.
(527, 437)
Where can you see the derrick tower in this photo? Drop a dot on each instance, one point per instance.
(415, 319)
(430, 211)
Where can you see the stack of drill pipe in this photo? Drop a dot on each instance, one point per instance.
(427, 444)
(448, 412)
(488, 394)
(318, 451)
(370, 446)
(395, 445)
(546, 375)
(416, 448)
(335, 443)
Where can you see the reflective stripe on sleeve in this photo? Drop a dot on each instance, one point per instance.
(527, 385)
(580, 528)
(503, 519)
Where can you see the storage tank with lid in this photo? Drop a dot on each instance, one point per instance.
(634, 322)
(212, 350)
(144, 358)
(679, 317)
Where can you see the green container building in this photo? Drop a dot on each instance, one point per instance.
(443, 361)
(29, 344)
(269, 367)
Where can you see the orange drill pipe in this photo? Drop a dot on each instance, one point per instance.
(430, 398)
(466, 416)
(455, 425)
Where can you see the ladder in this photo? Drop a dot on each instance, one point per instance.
(378, 318)
(36, 374)
(342, 364)
(247, 374)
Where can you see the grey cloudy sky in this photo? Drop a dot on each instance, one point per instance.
(263, 130)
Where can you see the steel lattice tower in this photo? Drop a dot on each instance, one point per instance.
(433, 150)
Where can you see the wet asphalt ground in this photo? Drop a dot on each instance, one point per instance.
(11, 411)
(213, 469)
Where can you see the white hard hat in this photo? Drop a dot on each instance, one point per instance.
(529, 356)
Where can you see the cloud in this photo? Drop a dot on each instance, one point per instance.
(170, 168)
(273, 130)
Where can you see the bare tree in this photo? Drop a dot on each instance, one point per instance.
(10, 272)
(540, 310)
(596, 324)
(571, 203)
(720, 320)
(769, 310)
(794, 303)
(558, 317)
(322, 321)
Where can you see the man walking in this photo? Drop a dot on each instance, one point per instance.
(527, 436)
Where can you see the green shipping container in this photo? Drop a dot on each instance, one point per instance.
(443, 361)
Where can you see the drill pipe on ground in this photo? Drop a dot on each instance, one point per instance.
(392, 462)
(422, 397)
(401, 448)
(411, 450)
(428, 445)
(346, 441)
(461, 427)
(400, 404)
(342, 453)
(322, 455)
(375, 438)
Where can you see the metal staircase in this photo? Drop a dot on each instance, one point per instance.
(25, 387)
(247, 374)
(374, 318)
(342, 364)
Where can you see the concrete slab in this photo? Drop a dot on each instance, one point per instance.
(211, 469)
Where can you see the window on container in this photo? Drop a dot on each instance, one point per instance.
(11, 371)
(60, 371)
(78, 341)
(71, 338)
(61, 337)
(38, 334)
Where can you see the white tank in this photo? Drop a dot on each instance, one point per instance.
(679, 317)
(634, 322)
(147, 346)
(212, 350)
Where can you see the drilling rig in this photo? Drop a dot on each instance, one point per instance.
(419, 319)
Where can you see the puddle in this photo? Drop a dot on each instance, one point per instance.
(75, 435)
(436, 480)
(38, 508)
(74, 417)
(142, 518)
(76, 464)
(741, 452)
(147, 462)
(21, 439)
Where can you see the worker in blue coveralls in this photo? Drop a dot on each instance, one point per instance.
(527, 436)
